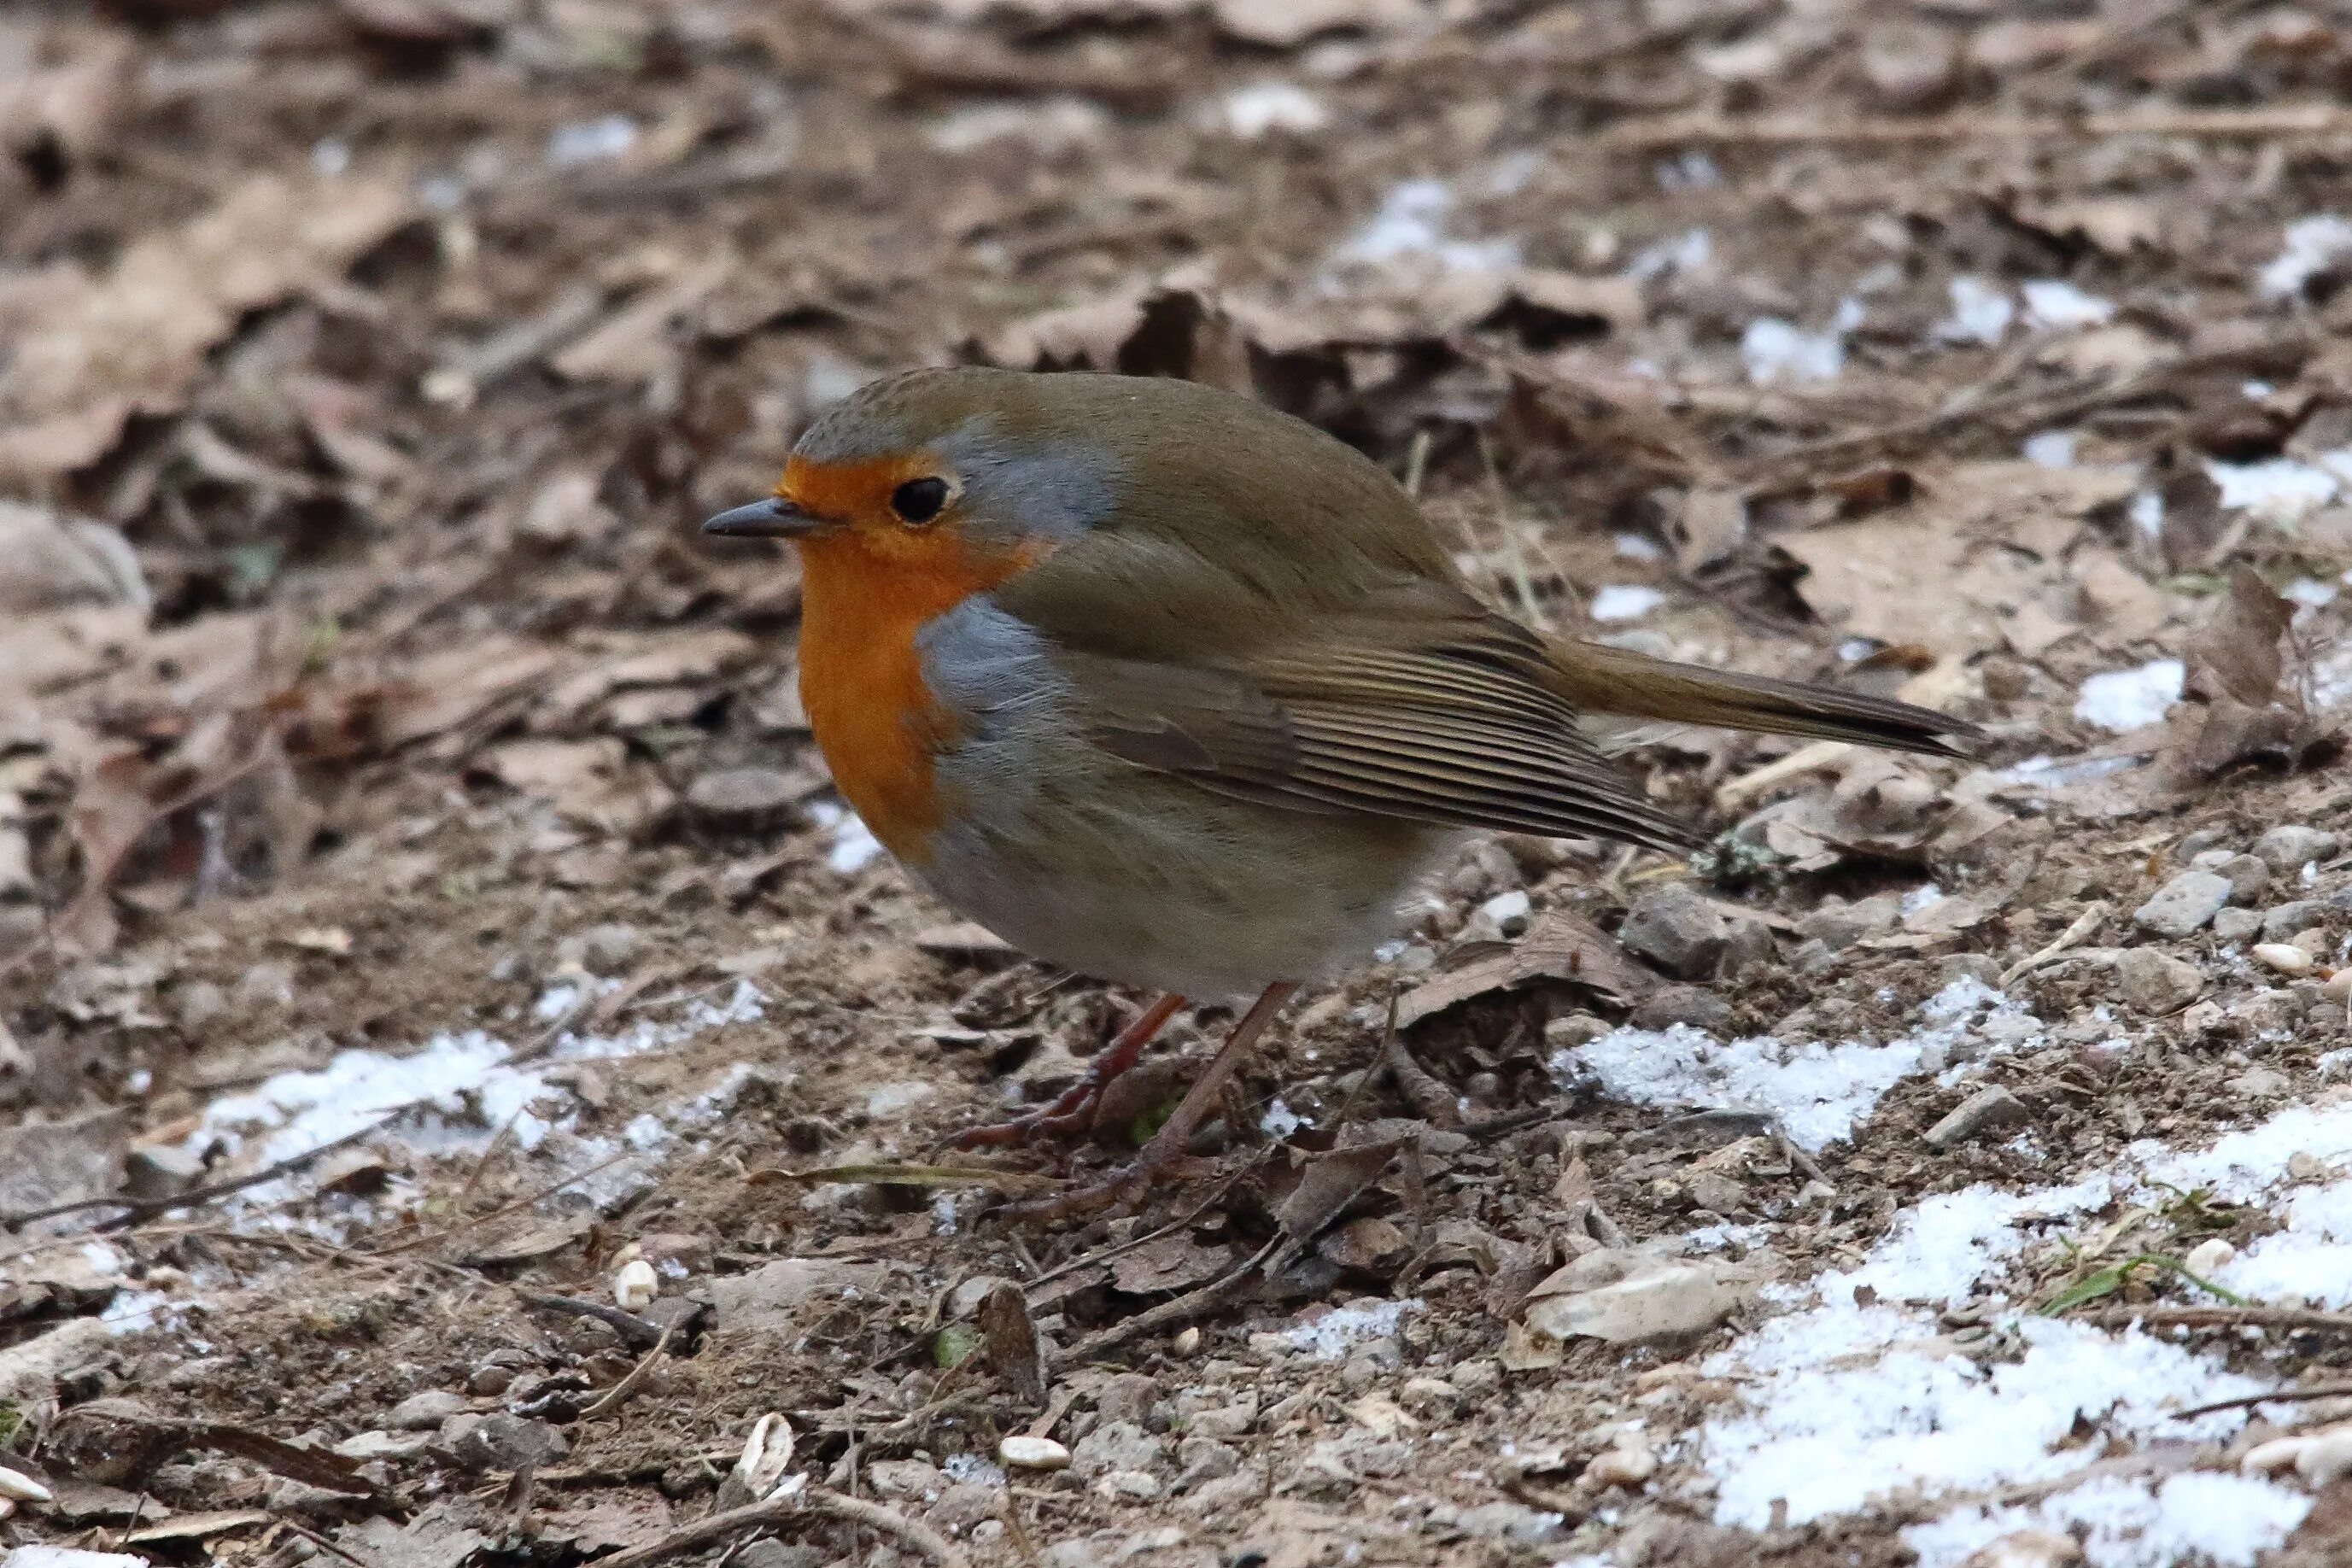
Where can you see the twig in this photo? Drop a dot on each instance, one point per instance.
(548, 1191)
(2283, 1396)
(2218, 1317)
(323, 1544)
(1191, 1304)
(137, 1209)
(2084, 924)
(636, 1331)
(621, 1393)
(823, 1501)
(2236, 124)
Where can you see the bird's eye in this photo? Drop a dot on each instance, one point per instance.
(920, 501)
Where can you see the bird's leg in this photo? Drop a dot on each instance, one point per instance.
(1071, 1111)
(1168, 1145)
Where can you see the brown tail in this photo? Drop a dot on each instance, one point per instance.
(1617, 680)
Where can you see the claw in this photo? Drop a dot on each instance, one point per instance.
(1073, 1110)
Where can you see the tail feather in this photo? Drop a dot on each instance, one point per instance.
(1634, 685)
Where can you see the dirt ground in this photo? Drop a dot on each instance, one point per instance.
(421, 903)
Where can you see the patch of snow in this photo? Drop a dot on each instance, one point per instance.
(2056, 305)
(1693, 171)
(2280, 490)
(1411, 224)
(1279, 1121)
(1981, 312)
(330, 155)
(2312, 592)
(1816, 1092)
(854, 846)
(1637, 547)
(1332, 1335)
(2147, 513)
(2313, 245)
(591, 141)
(1921, 898)
(2052, 448)
(2331, 677)
(2122, 701)
(1776, 350)
(2049, 772)
(1050, 125)
(971, 1469)
(1688, 251)
(1625, 602)
(2132, 1521)
(1261, 107)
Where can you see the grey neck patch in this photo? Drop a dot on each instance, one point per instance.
(1013, 492)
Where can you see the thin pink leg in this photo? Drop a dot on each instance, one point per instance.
(1076, 1107)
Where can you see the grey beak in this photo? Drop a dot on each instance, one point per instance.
(774, 518)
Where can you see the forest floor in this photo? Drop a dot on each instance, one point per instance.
(421, 902)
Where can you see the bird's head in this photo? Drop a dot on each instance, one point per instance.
(956, 469)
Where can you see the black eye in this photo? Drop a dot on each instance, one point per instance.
(919, 500)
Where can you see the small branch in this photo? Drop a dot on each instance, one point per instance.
(639, 1333)
(2218, 1317)
(137, 1209)
(1191, 1304)
(2283, 1396)
(822, 1501)
(621, 1393)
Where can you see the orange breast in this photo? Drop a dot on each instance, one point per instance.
(862, 679)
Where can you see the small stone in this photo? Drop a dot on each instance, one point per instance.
(2237, 925)
(743, 799)
(2026, 1548)
(2290, 847)
(1989, 1110)
(1508, 1521)
(1186, 1344)
(1570, 1030)
(2338, 986)
(1024, 1453)
(1140, 1485)
(424, 1410)
(634, 1285)
(2201, 1018)
(2258, 1083)
(1977, 967)
(2183, 906)
(504, 1442)
(367, 1446)
(1505, 913)
(1627, 1465)
(1679, 929)
(1481, 1374)
(16, 1486)
(161, 1171)
(2283, 957)
(1116, 1446)
(2284, 921)
(2208, 1257)
(1203, 1459)
(2247, 877)
(1692, 1004)
(2195, 844)
(2156, 982)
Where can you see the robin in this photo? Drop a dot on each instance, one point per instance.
(1173, 690)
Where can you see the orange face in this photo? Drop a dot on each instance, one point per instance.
(881, 562)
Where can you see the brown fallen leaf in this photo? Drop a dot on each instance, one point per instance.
(1009, 1338)
(1558, 946)
(2237, 708)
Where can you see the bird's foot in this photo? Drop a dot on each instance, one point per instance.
(1073, 1110)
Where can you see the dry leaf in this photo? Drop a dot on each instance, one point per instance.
(1558, 946)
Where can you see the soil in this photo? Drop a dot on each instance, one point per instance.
(366, 370)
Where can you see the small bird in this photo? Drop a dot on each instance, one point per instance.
(1170, 689)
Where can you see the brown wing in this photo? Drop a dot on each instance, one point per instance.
(1445, 732)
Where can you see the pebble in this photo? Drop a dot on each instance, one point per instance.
(2247, 877)
(364, 1446)
(2208, 1256)
(1505, 912)
(2318, 1457)
(2290, 847)
(2156, 982)
(161, 1170)
(426, 1410)
(2183, 906)
(2237, 925)
(1116, 1446)
(2280, 921)
(743, 798)
(2283, 957)
(1627, 1466)
(1991, 1110)
(2339, 985)
(1186, 1344)
(18, 1487)
(634, 1286)
(2026, 1548)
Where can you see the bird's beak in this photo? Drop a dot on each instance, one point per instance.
(774, 518)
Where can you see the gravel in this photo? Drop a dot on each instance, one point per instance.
(2183, 906)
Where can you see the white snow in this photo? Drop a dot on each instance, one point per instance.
(1637, 547)
(2279, 490)
(1686, 252)
(1776, 350)
(1260, 107)
(2147, 513)
(1624, 602)
(1279, 1121)
(854, 846)
(1411, 225)
(1816, 1092)
(2052, 448)
(1332, 1335)
(1855, 1395)
(2122, 701)
(1981, 312)
(2313, 244)
(2132, 1521)
(591, 141)
(2056, 305)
